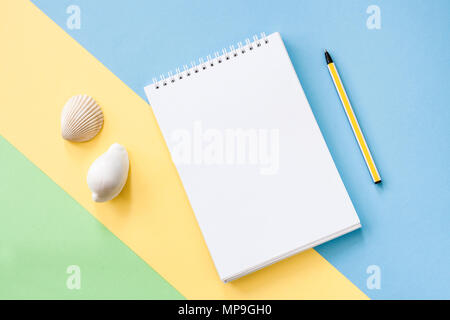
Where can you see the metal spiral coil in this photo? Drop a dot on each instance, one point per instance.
(204, 64)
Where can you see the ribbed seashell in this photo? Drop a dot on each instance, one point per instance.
(81, 119)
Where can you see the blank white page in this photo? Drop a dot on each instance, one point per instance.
(253, 162)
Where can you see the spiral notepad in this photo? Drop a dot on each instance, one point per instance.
(250, 155)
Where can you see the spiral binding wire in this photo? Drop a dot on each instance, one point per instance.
(210, 62)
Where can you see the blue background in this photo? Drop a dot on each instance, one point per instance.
(396, 78)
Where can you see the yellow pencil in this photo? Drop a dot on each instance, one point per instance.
(352, 119)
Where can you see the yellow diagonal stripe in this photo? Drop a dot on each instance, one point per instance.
(41, 67)
(354, 123)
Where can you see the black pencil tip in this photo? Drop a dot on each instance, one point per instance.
(328, 57)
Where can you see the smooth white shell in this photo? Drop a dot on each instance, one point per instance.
(81, 119)
(108, 173)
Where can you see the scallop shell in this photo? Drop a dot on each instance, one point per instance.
(81, 119)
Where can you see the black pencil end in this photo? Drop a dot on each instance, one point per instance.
(328, 57)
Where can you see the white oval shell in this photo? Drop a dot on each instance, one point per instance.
(108, 173)
(81, 119)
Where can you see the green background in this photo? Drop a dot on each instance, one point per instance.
(43, 231)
